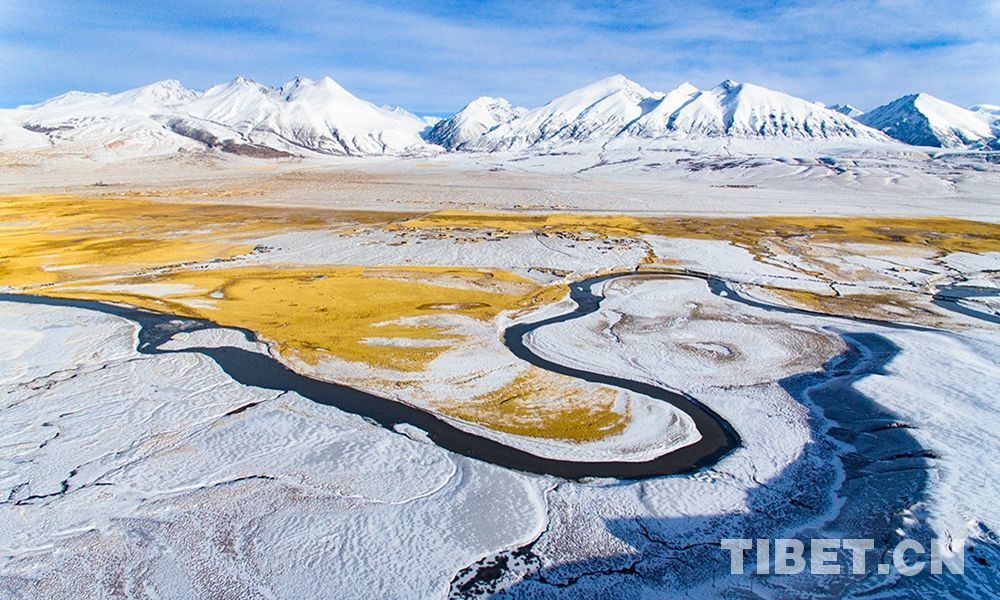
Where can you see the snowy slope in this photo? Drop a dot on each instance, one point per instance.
(478, 117)
(598, 111)
(991, 114)
(749, 111)
(657, 120)
(616, 108)
(130, 122)
(923, 120)
(240, 104)
(847, 109)
(240, 116)
(323, 116)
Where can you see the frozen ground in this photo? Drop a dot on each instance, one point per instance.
(158, 475)
(719, 179)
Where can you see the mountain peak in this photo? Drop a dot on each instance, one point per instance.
(241, 80)
(327, 81)
(168, 92)
(478, 117)
(687, 88)
(611, 85)
(487, 101)
(165, 84)
(294, 84)
(847, 109)
(923, 120)
(618, 79)
(729, 86)
(324, 86)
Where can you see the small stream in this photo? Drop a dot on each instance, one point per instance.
(950, 297)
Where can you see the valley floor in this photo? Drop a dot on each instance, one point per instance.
(851, 341)
(670, 181)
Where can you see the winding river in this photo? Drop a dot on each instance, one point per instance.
(951, 296)
(718, 437)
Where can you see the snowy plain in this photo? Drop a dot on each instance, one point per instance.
(154, 474)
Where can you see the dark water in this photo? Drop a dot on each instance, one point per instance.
(948, 297)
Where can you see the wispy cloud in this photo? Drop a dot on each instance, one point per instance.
(434, 58)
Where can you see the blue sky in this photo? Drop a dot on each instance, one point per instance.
(433, 57)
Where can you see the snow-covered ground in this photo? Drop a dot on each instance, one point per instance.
(159, 475)
(712, 177)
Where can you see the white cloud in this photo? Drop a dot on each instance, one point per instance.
(436, 58)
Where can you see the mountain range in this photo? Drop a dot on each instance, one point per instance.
(307, 116)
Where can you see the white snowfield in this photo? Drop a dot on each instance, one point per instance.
(320, 118)
(119, 466)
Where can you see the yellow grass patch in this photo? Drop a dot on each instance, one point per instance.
(539, 404)
(940, 233)
(515, 222)
(46, 239)
(874, 306)
(382, 317)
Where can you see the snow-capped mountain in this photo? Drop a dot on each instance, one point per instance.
(77, 122)
(991, 114)
(617, 108)
(478, 117)
(923, 120)
(241, 116)
(323, 116)
(597, 111)
(657, 120)
(306, 117)
(750, 111)
(847, 109)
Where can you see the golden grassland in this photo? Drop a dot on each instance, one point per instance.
(153, 254)
(539, 404)
(53, 239)
(335, 311)
(875, 306)
(940, 233)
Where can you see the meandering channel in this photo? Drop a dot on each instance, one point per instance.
(718, 437)
(950, 297)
